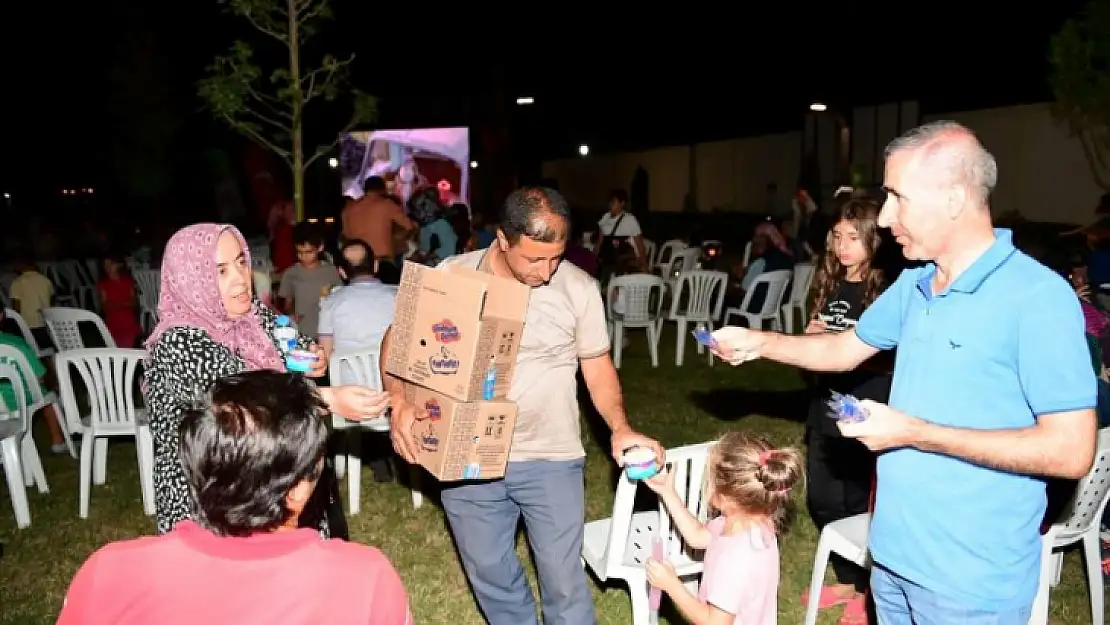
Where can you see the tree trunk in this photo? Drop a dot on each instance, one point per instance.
(298, 106)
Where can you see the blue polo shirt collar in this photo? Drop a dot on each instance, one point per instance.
(974, 276)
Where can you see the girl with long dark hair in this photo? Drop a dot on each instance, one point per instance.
(839, 470)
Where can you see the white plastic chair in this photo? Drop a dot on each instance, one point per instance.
(649, 252)
(22, 465)
(260, 259)
(6, 280)
(682, 260)
(617, 547)
(799, 291)
(1079, 526)
(776, 282)
(666, 253)
(705, 295)
(263, 284)
(92, 269)
(361, 368)
(25, 331)
(39, 400)
(846, 538)
(78, 283)
(63, 324)
(149, 282)
(588, 240)
(635, 309)
(109, 375)
(136, 264)
(61, 286)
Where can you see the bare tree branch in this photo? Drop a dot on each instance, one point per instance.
(270, 121)
(269, 29)
(1096, 160)
(329, 71)
(258, 138)
(275, 107)
(306, 14)
(320, 151)
(356, 118)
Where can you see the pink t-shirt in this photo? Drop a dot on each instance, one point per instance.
(192, 576)
(741, 573)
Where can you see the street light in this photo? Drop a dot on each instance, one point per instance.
(474, 164)
(818, 107)
(525, 100)
(333, 162)
(583, 149)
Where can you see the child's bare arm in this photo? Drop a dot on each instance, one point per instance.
(699, 613)
(693, 531)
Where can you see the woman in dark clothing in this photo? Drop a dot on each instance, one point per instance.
(211, 326)
(839, 470)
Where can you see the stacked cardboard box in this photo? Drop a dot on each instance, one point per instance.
(454, 342)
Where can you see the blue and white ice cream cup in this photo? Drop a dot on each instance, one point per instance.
(639, 463)
(300, 361)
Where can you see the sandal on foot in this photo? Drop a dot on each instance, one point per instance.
(855, 612)
(828, 598)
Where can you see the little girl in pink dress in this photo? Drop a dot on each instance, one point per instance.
(749, 484)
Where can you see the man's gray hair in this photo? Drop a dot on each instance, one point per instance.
(953, 152)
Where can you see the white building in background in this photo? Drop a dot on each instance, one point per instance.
(1042, 171)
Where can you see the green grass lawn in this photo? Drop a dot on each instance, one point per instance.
(690, 404)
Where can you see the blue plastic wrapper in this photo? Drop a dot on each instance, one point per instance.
(846, 408)
(703, 336)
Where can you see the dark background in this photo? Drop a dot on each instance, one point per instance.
(87, 80)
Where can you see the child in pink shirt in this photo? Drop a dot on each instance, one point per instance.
(749, 484)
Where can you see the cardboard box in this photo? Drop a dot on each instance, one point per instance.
(462, 440)
(451, 325)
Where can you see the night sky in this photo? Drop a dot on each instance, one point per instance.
(614, 75)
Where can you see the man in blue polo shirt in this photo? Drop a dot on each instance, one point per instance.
(992, 386)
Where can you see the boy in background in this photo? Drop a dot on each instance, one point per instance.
(308, 281)
(30, 293)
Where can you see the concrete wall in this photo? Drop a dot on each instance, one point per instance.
(731, 175)
(1042, 170)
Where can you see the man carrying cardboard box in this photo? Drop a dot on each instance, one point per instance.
(564, 328)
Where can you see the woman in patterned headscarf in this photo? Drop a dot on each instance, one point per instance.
(770, 252)
(210, 326)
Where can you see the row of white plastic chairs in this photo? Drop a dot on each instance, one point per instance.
(109, 376)
(74, 282)
(131, 419)
(696, 298)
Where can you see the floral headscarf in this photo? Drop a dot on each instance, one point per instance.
(190, 296)
(773, 235)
